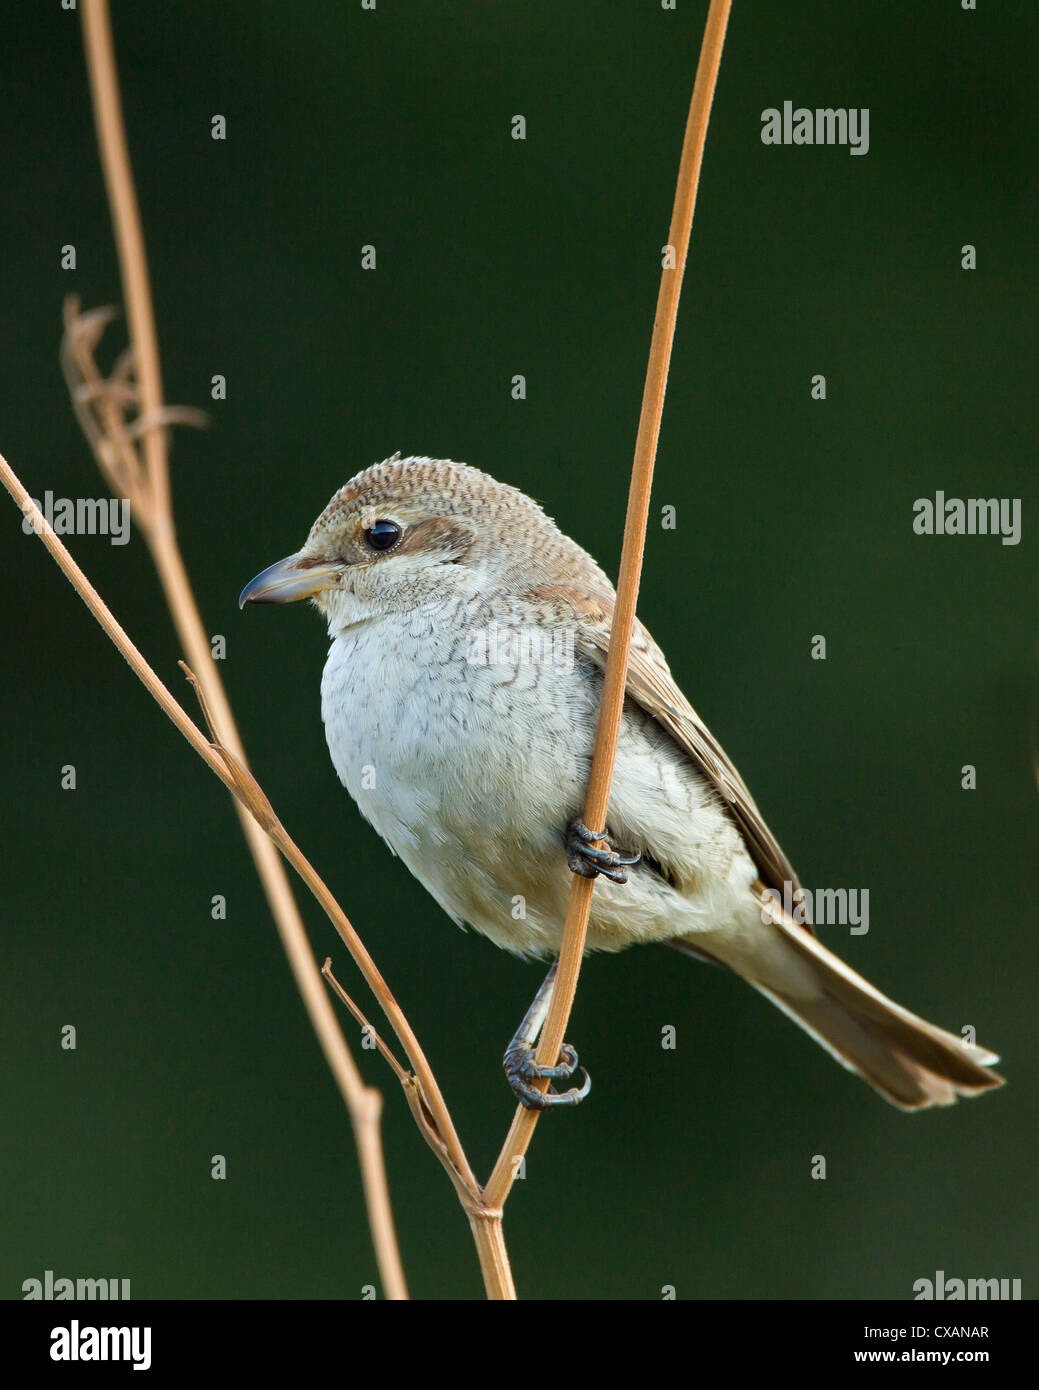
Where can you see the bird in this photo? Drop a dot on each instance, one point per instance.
(460, 697)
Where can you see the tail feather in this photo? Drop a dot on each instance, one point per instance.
(910, 1062)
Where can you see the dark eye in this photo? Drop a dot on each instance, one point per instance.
(382, 535)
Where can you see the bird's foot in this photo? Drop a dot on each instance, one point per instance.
(521, 1069)
(589, 862)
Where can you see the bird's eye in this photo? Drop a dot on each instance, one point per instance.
(382, 535)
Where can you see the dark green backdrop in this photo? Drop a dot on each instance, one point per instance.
(691, 1167)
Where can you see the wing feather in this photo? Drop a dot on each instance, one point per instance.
(651, 685)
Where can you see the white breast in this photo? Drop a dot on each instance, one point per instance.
(471, 771)
(460, 764)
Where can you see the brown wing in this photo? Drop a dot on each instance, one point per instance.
(651, 685)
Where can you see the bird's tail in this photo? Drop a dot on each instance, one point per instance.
(910, 1062)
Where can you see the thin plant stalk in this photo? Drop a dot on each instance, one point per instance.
(632, 548)
(155, 517)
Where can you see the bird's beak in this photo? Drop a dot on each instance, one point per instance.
(289, 580)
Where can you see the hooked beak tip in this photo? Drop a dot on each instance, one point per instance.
(289, 580)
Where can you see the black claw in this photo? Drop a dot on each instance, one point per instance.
(588, 861)
(521, 1069)
(533, 1099)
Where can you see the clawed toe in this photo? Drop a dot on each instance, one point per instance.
(521, 1069)
(588, 861)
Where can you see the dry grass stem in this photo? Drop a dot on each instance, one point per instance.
(403, 1076)
(103, 409)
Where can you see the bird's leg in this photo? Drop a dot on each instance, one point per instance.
(586, 860)
(521, 1068)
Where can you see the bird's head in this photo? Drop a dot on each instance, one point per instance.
(409, 529)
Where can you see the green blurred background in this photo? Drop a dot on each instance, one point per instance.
(691, 1167)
